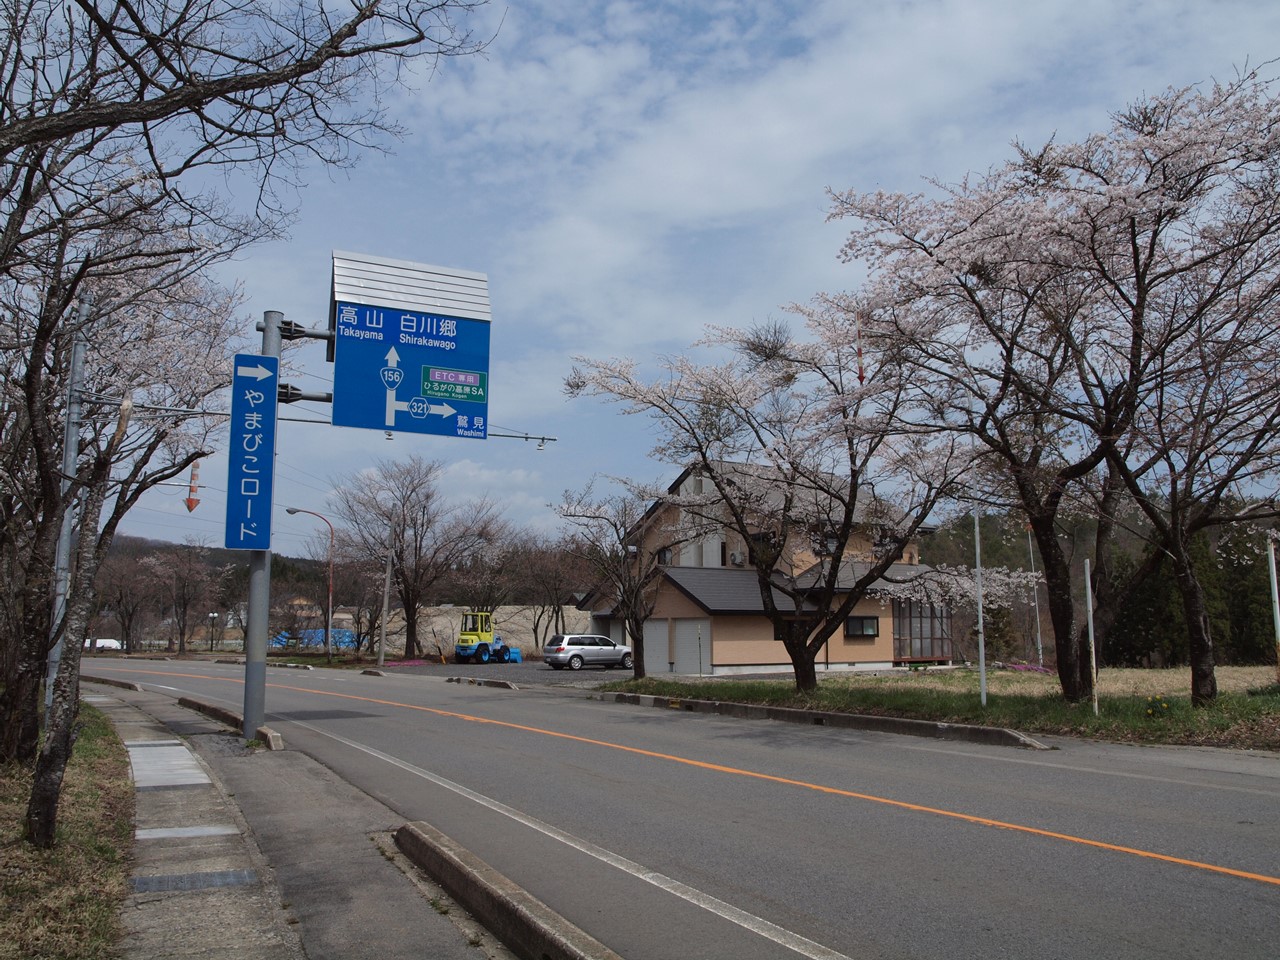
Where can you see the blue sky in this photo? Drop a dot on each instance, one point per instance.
(626, 172)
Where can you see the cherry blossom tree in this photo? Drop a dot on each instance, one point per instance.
(150, 330)
(111, 120)
(826, 461)
(1080, 299)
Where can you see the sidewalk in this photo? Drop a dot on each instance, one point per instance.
(298, 865)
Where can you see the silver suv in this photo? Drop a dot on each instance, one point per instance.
(578, 650)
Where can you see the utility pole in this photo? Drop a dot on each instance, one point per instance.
(328, 621)
(70, 454)
(982, 635)
(386, 605)
(1275, 598)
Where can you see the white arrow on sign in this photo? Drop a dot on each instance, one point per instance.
(257, 371)
(393, 361)
(395, 406)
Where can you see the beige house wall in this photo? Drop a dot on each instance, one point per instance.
(739, 641)
(747, 640)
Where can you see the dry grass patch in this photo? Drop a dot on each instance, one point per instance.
(1141, 706)
(65, 902)
(1112, 682)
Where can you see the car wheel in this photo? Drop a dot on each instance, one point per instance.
(504, 655)
(575, 662)
(482, 655)
(627, 661)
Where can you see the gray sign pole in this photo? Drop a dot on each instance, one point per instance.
(255, 638)
(70, 454)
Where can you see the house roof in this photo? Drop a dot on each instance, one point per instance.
(721, 590)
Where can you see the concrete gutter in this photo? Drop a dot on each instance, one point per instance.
(269, 737)
(525, 924)
(971, 733)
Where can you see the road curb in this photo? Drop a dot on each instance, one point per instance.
(480, 682)
(111, 682)
(270, 738)
(970, 733)
(525, 924)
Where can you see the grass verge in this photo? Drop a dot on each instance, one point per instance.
(65, 902)
(1135, 706)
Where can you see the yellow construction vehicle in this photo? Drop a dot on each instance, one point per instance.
(477, 642)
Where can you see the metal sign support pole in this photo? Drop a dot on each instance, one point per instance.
(1275, 598)
(982, 634)
(255, 639)
(70, 454)
(386, 608)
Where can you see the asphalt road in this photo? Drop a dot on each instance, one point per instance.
(668, 834)
(527, 673)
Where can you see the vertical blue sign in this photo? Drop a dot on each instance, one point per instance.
(252, 456)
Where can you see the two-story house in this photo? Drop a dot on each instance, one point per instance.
(708, 617)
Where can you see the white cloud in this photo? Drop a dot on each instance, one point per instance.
(628, 171)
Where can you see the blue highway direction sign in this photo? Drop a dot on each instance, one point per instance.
(251, 466)
(403, 370)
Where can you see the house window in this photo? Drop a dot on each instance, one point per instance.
(858, 628)
(921, 631)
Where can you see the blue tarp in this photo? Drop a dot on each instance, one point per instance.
(314, 638)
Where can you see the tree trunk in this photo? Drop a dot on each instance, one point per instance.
(1204, 683)
(795, 638)
(20, 709)
(60, 734)
(412, 651)
(20, 702)
(806, 673)
(635, 629)
(60, 737)
(1075, 675)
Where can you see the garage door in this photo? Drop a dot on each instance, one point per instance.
(693, 647)
(656, 655)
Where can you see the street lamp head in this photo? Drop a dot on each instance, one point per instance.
(290, 510)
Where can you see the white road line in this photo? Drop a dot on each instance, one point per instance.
(757, 925)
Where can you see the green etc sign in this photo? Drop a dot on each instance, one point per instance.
(441, 383)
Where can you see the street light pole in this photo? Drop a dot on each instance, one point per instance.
(386, 607)
(328, 620)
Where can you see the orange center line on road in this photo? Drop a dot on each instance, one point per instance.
(771, 778)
